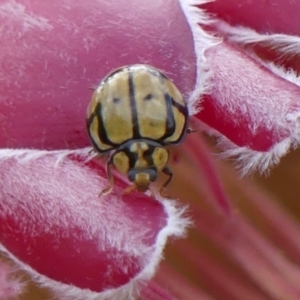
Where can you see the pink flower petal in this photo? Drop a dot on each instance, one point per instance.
(264, 16)
(248, 104)
(252, 109)
(10, 288)
(53, 221)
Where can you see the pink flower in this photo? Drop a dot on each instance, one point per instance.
(80, 246)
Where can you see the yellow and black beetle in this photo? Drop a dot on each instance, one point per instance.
(137, 111)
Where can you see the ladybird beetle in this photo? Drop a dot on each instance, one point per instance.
(136, 111)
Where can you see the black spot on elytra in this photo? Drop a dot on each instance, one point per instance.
(116, 100)
(148, 97)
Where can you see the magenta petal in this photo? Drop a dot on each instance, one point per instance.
(279, 16)
(52, 220)
(248, 104)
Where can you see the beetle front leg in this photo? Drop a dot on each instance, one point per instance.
(168, 172)
(110, 177)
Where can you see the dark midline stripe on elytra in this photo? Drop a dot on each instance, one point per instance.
(134, 115)
(101, 129)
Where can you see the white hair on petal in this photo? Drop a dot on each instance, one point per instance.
(247, 160)
(20, 14)
(176, 227)
(287, 45)
(196, 17)
(27, 155)
(288, 74)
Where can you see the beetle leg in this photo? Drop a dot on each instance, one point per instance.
(91, 151)
(129, 189)
(97, 155)
(110, 177)
(168, 172)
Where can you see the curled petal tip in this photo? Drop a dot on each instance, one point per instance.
(53, 221)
